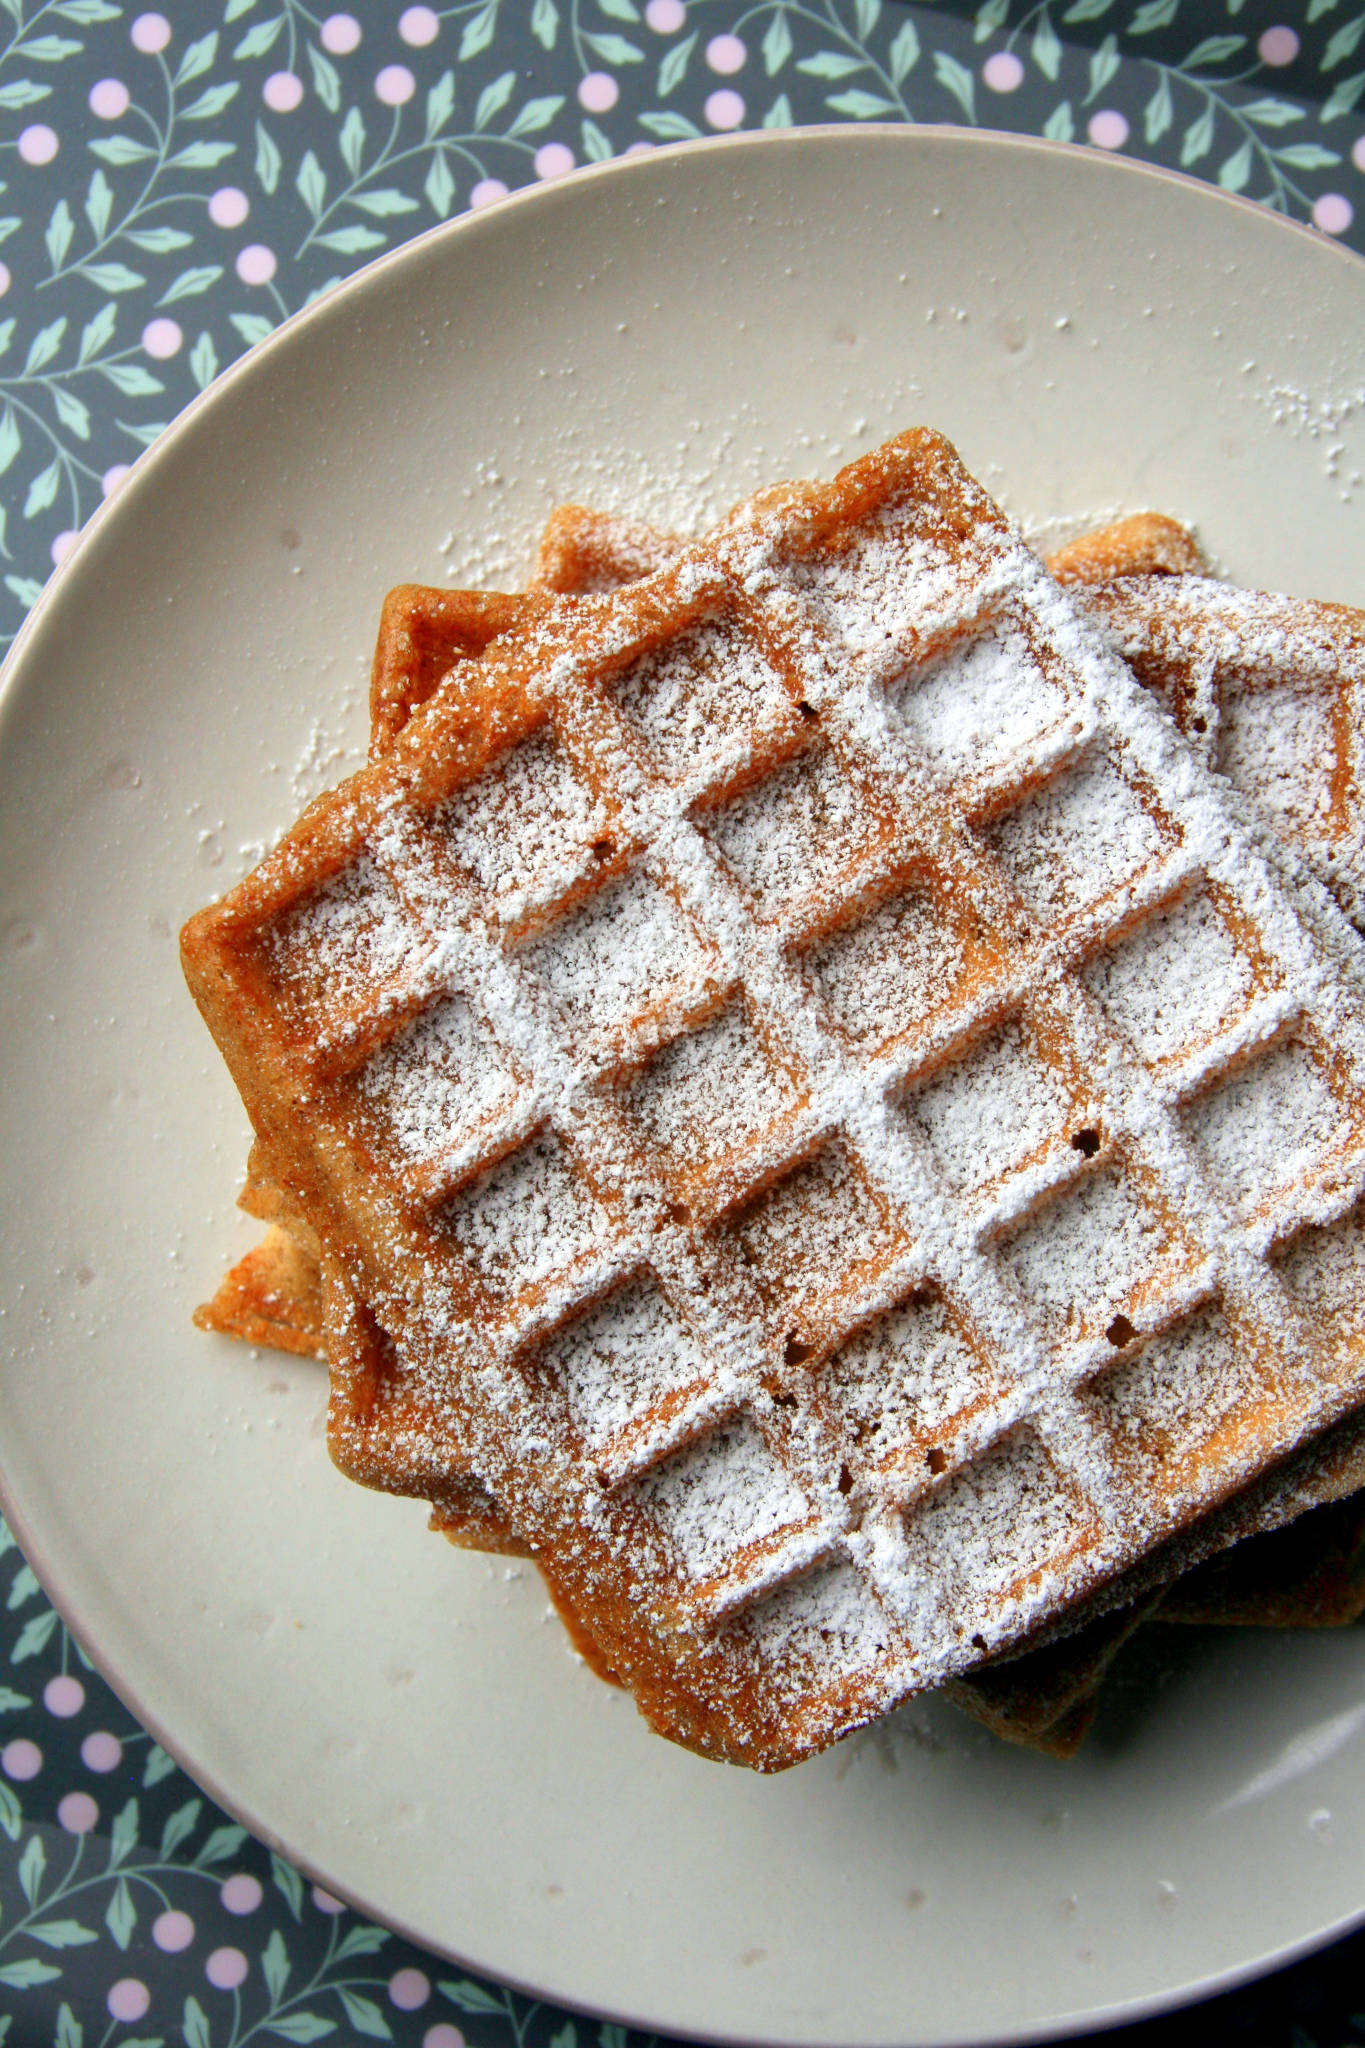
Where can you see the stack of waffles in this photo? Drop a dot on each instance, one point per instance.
(815, 1086)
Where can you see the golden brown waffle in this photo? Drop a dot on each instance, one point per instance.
(740, 873)
(1272, 691)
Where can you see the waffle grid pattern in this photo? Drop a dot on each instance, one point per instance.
(852, 744)
(1271, 690)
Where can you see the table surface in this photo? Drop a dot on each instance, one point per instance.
(173, 186)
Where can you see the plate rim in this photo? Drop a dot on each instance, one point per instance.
(1197, 1989)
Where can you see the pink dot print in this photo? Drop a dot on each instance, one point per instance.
(325, 1903)
(38, 143)
(665, 17)
(241, 1893)
(418, 26)
(172, 1931)
(1333, 213)
(1278, 46)
(226, 1968)
(128, 1999)
(553, 159)
(161, 338)
(255, 264)
(638, 149)
(341, 34)
(1108, 129)
(21, 1760)
(724, 109)
(1003, 72)
(726, 54)
(395, 85)
(62, 544)
(102, 1751)
(282, 92)
(78, 1813)
(150, 33)
(63, 1696)
(443, 2035)
(109, 99)
(409, 1990)
(5, 279)
(487, 192)
(1358, 152)
(229, 207)
(598, 92)
(113, 477)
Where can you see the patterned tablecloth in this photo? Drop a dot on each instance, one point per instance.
(173, 186)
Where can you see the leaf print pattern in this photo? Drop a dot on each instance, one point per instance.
(170, 197)
(171, 187)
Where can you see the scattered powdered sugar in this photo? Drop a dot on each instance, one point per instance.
(999, 1108)
(1167, 1401)
(1277, 743)
(1087, 1250)
(808, 1234)
(709, 690)
(1175, 980)
(980, 703)
(828, 1619)
(882, 589)
(707, 1093)
(437, 1079)
(529, 1217)
(1082, 836)
(883, 973)
(901, 1379)
(1324, 1269)
(349, 938)
(802, 822)
(525, 824)
(1004, 1519)
(719, 1496)
(622, 1359)
(1272, 1120)
(626, 950)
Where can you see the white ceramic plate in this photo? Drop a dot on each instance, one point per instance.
(400, 1718)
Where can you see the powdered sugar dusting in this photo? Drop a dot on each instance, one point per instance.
(623, 952)
(1083, 836)
(709, 1092)
(1166, 1402)
(827, 1620)
(1082, 1256)
(1275, 741)
(530, 1217)
(351, 937)
(1000, 1522)
(1271, 1121)
(1324, 1269)
(805, 821)
(985, 700)
(624, 1357)
(709, 692)
(813, 1229)
(1176, 980)
(528, 822)
(1000, 1107)
(899, 1381)
(885, 972)
(719, 1496)
(437, 1080)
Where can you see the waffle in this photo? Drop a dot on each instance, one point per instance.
(790, 897)
(1272, 692)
